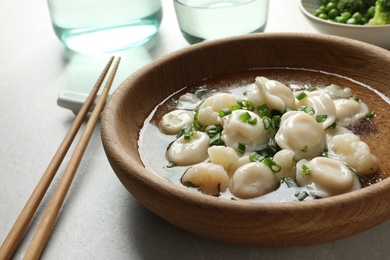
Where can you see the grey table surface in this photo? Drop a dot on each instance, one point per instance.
(100, 219)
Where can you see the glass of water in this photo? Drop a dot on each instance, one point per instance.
(201, 20)
(101, 26)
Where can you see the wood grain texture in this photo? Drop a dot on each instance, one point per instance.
(238, 222)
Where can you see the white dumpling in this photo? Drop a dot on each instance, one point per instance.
(349, 110)
(237, 164)
(355, 153)
(302, 134)
(224, 156)
(188, 101)
(187, 152)
(172, 122)
(280, 90)
(325, 177)
(322, 105)
(208, 113)
(252, 180)
(285, 158)
(209, 177)
(235, 131)
(275, 94)
(335, 91)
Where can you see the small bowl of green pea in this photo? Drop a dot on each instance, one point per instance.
(363, 20)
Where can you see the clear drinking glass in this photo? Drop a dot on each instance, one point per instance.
(201, 20)
(98, 26)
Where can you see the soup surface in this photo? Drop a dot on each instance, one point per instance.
(153, 142)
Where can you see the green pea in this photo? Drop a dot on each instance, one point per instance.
(352, 21)
(332, 14)
(318, 12)
(371, 11)
(346, 15)
(340, 19)
(330, 6)
(358, 16)
(323, 16)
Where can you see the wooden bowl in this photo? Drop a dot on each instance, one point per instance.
(243, 222)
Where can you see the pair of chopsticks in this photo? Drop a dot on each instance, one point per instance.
(45, 226)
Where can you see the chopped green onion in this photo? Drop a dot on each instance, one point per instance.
(200, 91)
(255, 157)
(225, 112)
(188, 184)
(272, 165)
(252, 121)
(305, 149)
(216, 140)
(212, 130)
(241, 148)
(245, 104)
(301, 96)
(187, 131)
(321, 118)
(236, 107)
(266, 122)
(290, 182)
(175, 101)
(276, 122)
(272, 147)
(306, 170)
(306, 109)
(356, 98)
(369, 115)
(263, 110)
(310, 87)
(170, 165)
(302, 195)
(332, 126)
(288, 109)
(196, 123)
(245, 117)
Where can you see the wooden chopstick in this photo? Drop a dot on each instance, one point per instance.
(15, 235)
(39, 240)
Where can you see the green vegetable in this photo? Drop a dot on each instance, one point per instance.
(225, 112)
(272, 165)
(302, 195)
(357, 12)
(241, 148)
(382, 13)
(306, 170)
(255, 157)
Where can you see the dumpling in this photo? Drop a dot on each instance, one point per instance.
(236, 131)
(323, 106)
(252, 180)
(355, 153)
(302, 134)
(172, 122)
(187, 152)
(208, 113)
(285, 158)
(209, 177)
(349, 110)
(325, 177)
(275, 94)
(224, 156)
